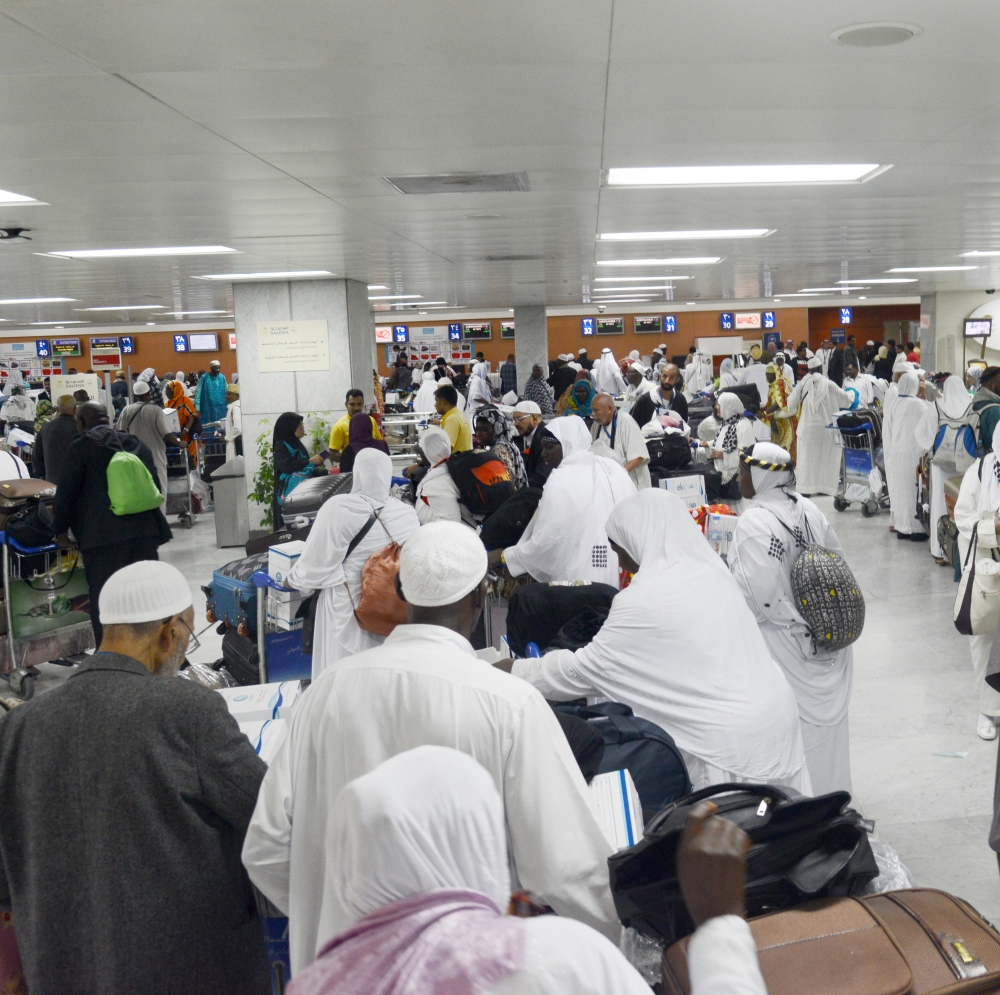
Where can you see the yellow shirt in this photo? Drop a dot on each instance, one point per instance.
(457, 427)
(341, 433)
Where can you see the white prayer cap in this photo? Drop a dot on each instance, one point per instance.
(141, 388)
(565, 357)
(575, 366)
(605, 351)
(510, 398)
(440, 564)
(662, 347)
(146, 591)
(214, 362)
(445, 382)
(814, 363)
(527, 408)
(869, 342)
(580, 352)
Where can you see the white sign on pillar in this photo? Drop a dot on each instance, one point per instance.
(292, 346)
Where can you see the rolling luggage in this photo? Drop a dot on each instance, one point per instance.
(642, 748)
(264, 543)
(801, 849)
(309, 496)
(915, 941)
(285, 658)
(537, 612)
(482, 480)
(232, 597)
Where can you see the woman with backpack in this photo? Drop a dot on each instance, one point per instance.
(770, 535)
(292, 463)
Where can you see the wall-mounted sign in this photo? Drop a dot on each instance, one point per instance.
(383, 335)
(646, 323)
(587, 326)
(726, 321)
(506, 329)
(610, 326)
(105, 353)
(42, 348)
(838, 336)
(746, 319)
(478, 330)
(455, 331)
(670, 323)
(770, 320)
(232, 341)
(66, 347)
(845, 315)
(772, 341)
(128, 344)
(293, 346)
(400, 333)
(180, 343)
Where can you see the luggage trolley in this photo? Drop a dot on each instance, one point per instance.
(177, 500)
(862, 470)
(211, 454)
(55, 590)
(280, 656)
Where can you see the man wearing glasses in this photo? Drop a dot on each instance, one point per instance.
(126, 796)
(530, 433)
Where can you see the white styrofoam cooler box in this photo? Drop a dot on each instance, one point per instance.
(259, 702)
(617, 807)
(719, 530)
(265, 737)
(690, 488)
(282, 557)
(282, 610)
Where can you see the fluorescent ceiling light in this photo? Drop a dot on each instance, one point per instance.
(740, 176)
(684, 261)
(8, 198)
(60, 323)
(983, 252)
(830, 290)
(123, 307)
(377, 286)
(179, 313)
(624, 290)
(622, 300)
(867, 282)
(37, 300)
(809, 294)
(173, 250)
(417, 303)
(394, 297)
(677, 236)
(647, 276)
(929, 269)
(284, 275)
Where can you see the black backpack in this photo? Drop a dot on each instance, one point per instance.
(801, 849)
(482, 480)
(507, 524)
(672, 452)
(642, 748)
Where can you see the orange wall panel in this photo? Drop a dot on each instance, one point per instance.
(866, 322)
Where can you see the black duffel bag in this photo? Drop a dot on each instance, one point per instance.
(507, 524)
(538, 611)
(671, 452)
(801, 849)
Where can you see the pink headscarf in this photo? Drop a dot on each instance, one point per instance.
(419, 874)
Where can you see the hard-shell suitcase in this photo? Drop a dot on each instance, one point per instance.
(263, 543)
(911, 942)
(232, 597)
(312, 494)
(285, 659)
(537, 612)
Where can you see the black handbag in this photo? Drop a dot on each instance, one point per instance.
(801, 849)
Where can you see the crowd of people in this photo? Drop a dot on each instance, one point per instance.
(420, 787)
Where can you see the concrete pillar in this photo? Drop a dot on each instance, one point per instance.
(951, 308)
(531, 342)
(316, 394)
(928, 337)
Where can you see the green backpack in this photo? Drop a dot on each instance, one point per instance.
(131, 488)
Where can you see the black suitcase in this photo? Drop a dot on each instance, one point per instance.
(312, 494)
(671, 452)
(240, 658)
(748, 394)
(537, 612)
(264, 543)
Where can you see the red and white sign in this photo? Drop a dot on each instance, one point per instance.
(747, 319)
(383, 335)
(107, 360)
(232, 341)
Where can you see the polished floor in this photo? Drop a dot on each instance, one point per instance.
(914, 696)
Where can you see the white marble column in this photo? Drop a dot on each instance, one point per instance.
(343, 304)
(531, 342)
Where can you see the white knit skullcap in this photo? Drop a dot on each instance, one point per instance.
(814, 363)
(440, 564)
(510, 398)
(141, 388)
(527, 408)
(146, 591)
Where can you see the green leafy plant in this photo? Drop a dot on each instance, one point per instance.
(263, 481)
(319, 432)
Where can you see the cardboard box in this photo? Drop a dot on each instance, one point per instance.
(265, 737)
(690, 489)
(260, 702)
(617, 807)
(285, 625)
(719, 530)
(282, 595)
(282, 557)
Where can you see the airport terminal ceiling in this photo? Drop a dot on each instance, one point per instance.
(271, 129)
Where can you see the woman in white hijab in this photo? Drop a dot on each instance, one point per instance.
(424, 400)
(724, 699)
(419, 859)
(14, 379)
(480, 393)
(606, 376)
(735, 434)
(978, 500)
(727, 378)
(437, 493)
(565, 539)
(951, 408)
(322, 566)
(902, 445)
(770, 534)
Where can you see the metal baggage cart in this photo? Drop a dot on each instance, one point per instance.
(862, 470)
(280, 656)
(177, 500)
(42, 585)
(211, 455)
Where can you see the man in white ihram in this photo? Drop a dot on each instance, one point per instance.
(425, 686)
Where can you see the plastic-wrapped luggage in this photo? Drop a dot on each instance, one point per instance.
(312, 494)
(537, 612)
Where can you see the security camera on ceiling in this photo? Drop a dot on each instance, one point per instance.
(600, 307)
(991, 291)
(11, 235)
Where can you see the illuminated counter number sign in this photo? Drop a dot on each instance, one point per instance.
(455, 332)
(726, 321)
(647, 323)
(478, 330)
(127, 344)
(180, 343)
(610, 326)
(587, 326)
(670, 323)
(769, 319)
(42, 348)
(846, 314)
(401, 333)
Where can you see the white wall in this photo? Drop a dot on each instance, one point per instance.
(953, 307)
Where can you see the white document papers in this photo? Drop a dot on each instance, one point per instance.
(617, 807)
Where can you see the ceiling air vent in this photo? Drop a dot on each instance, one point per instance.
(460, 183)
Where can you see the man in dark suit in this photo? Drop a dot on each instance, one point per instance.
(530, 432)
(127, 793)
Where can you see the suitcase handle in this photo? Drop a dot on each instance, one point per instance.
(760, 790)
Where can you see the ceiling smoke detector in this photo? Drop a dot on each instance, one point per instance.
(11, 235)
(875, 34)
(460, 183)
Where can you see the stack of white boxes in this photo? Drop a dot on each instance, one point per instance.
(263, 712)
(618, 809)
(282, 605)
(689, 488)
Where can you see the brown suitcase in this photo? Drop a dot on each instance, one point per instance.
(912, 942)
(13, 493)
